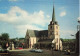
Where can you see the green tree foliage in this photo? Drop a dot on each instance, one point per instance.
(69, 44)
(18, 42)
(5, 36)
(4, 39)
(61, 39)
(69, 40)
(15, 41)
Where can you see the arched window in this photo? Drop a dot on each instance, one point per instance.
(56, 32)
(51, 27)
(33, 40)
(52, 32)
(56, 27)
(57, 40)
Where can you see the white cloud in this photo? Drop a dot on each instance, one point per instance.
(12, 0)
(63, 13)
(23, 28)
(23, 19)
(48, 16)
(16, 15)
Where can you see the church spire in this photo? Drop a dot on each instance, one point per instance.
(53, 15)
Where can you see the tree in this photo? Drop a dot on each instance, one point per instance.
(4, 39)
(61, 39)
(5, 36)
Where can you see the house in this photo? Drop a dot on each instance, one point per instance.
(77, 42)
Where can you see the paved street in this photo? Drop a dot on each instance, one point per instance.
(27, 53)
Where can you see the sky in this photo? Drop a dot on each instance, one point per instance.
(16, 16)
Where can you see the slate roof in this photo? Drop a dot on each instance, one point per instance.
(45, 40)
(37, 33)
(43, 33)
(33, 33)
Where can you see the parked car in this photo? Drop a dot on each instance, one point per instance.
(36, 50)
(3, 50)
(39, 51)
(32, 50)
(19, 48)
(67, 52)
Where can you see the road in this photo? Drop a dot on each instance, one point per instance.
(28, 53)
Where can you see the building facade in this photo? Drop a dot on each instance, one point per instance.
(51, 35)
(77, 42)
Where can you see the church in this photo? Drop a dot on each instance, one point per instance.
(42, 37)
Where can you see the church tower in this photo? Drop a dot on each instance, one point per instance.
(53, 31)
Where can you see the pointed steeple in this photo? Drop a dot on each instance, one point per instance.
(53, 15)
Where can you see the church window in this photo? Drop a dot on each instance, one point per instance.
(52, 32)
(56, 27)
(57, 40)
(56, 33)
(51, 27)
(33, 41)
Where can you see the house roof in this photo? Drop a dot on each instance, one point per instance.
(37, 33)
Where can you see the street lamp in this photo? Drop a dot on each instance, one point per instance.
(52, 49)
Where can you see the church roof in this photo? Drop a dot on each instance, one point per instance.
(37, 33)
(43, 33)
(45, 40)
(53, 15)
(53, 18)
(33, 33)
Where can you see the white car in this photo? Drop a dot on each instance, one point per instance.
(32, 50)
(38, 50)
